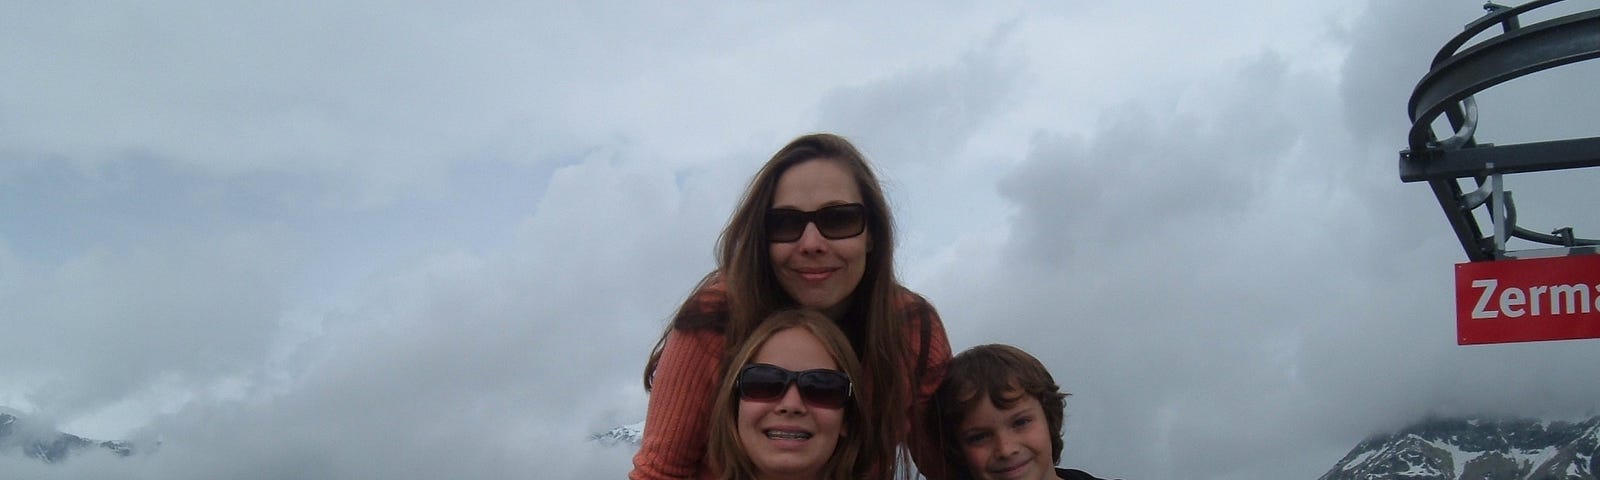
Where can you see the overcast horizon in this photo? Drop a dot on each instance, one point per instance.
(415, 240)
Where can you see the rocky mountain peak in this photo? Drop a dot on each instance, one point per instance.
(1477, 449)
(19, 437)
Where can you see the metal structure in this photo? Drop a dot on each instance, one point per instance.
(1448, 88)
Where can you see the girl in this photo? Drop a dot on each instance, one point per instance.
(788, 409)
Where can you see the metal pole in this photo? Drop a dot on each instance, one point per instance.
(1497, 212)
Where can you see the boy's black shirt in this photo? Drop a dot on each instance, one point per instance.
(1062, 473)
(1070, 474)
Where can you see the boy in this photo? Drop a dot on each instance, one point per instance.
(998, 416)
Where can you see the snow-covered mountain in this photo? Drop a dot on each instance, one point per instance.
(629, 435)
(18, 436)
(1476, 449)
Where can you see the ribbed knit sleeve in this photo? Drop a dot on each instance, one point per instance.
(679, 415)
(924, 447)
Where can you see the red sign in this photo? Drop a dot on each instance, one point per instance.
(1502, 301)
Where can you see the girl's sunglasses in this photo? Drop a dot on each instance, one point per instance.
(835, 222)
(760, 382)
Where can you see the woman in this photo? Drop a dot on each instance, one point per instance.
(813, 231)
(787, 409)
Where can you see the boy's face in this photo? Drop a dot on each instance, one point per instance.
(1011, 444)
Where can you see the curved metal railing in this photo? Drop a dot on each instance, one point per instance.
(1447, 90)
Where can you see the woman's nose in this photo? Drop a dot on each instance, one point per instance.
(811, 239)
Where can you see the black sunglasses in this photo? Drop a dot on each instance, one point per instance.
(823, 388)
(834, 222)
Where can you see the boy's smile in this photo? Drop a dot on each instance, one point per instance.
(1009, 444)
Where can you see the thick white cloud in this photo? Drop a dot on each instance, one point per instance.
(411, 241)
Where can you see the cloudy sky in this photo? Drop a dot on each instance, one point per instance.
(406, 240)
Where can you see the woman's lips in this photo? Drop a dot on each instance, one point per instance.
(815, 274)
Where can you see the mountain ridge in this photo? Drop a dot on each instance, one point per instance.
(1459, 448)
(624, 435)
(18, 434)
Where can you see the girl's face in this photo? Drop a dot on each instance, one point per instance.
(819, 273)
(787, 437)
